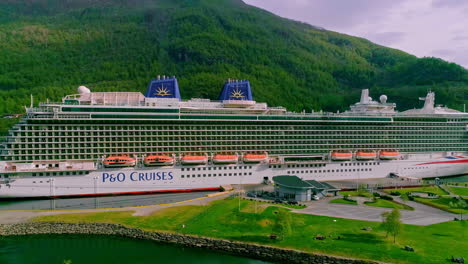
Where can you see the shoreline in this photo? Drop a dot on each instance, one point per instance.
(243, 249)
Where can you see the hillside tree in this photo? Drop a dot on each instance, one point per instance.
(392, 223)
(459, 204)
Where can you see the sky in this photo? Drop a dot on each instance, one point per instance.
(425, 28)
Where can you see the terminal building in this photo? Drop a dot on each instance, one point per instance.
(294, 188)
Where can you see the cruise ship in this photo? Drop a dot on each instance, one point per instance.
(109, 143)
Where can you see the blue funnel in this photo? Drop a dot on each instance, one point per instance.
(163, 88)
(236, 90)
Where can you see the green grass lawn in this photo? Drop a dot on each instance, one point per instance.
(222, 219)
(424, 189)
(357, 193)
(388, 204)
(463, 191)
(343, 201)
(441, 203)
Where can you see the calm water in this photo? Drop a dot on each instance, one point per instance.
(80, 249)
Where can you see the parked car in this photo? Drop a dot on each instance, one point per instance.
(251, 195)
(292, 202)
(277, 200)
(315, 197)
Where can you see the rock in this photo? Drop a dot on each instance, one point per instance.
(408, 248)
(319, 237)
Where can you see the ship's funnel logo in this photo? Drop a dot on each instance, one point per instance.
(237, 94)
(162, 92)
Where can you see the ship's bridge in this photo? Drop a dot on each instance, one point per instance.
(368, 106)
(430, 108)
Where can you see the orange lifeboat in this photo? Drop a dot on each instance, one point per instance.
(341, 156)
(158, 160)
(119, 161)
(194, 160)
(365, 155)
(225, 159)
(389, 155)
(255, 158)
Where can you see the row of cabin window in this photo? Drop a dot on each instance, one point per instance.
(360, 164)
(90, 148)
(218, 127)
(416, 168)
(216, 168)
(60, 173)
(216, 175)
(286, 133)
(326, 171)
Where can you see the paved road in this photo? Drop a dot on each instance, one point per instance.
(422, 215)
(373, 183)
(100, 202)
(17, 216)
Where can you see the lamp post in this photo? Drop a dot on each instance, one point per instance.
(334, 227)
(240, 183)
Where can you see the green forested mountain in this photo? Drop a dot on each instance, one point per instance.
(49, 47)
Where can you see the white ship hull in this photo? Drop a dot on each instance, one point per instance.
(137, 180)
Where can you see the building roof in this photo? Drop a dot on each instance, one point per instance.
(291, 181)
(316, 184)
(329, 186)
(296, 182)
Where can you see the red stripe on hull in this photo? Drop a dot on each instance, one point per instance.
(445, 162)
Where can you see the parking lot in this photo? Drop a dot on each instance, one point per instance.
(422, 215)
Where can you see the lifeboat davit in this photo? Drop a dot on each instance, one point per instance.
(225, 159)
(119, 161)
(158, 160)
(255, 158)
(366, 155)
(389, 155)
(340, 156)
(194, 160)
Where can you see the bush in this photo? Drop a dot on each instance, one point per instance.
(386, 197)
(410, 197)
(346, 198)
(395, 193)
(376, 194)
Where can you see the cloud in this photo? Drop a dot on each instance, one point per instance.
(458, 55)
(449, 3)
(387, 38)
(420, 27)
(460, 38)
(443, 52)
(331, 14)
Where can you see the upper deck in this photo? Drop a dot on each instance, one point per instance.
(162, 101)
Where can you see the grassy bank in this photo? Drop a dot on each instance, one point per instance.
(424, 189)
(441, 203)
(357, 193)
(388, 204)
(463, 191)
(343, 201)
(222, 219)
